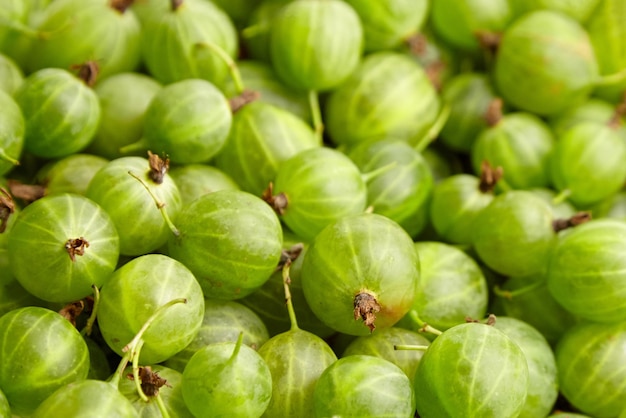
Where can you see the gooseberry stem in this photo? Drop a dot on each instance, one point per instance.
(561, 197)
(4, 156)
(424, 327)
(160, 205)
(233, 69)
(161, 406)
(288, 301)
(254, 30)
(412, 347)
(371, 175)
(94, 311)
(434, 130)
(136, 378)
(510, 294)
(316, 115)
(611, 79)
(237, 347)
(140, 145)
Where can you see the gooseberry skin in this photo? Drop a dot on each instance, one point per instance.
(188, 120)
(321, 185)
(40, 352)
(5, 408)
(40, 235)
(590, 359)
(590, 283)
(261, 138)
(459, 372)
(195, 180)
(231, 240)
(389, 95)
(139, 223)
(542, 372)
(12, 130)
(135, 291)
(93, 398)
(361, 253)
(315, 45)
(513, 235)
(353, 386)
(545, 63)
(70, 174)
(590, 170)
(220, 382)
(60, 111)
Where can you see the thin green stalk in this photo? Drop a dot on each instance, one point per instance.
(237, 347)
(140, 145)
(136, 378)
(611, 79)
(288, 301)
(6, 157)
(561, 197)
(434, 130)
(510, 294)
(316, 115)
(94, 311)
(161, 405)
(423, 326)
(160, 206)
(229, 61)
(412, 347)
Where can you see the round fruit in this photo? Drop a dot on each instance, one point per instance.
(12, 130)
(361, 267)
(195, 180)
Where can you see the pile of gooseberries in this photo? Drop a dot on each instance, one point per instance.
(313, 208)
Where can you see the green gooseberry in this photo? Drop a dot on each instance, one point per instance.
(542, 372)
(259, 76)
(388, 96)
(11, 75)
(269, 300)
(89, 397)
(590, 361)
(70, 174)
(514, 234)
(188, 39)
(155, 380)
(5, 408)
(316, 187)
(188, 120)
(223, 321)
(452, 287)
(456, 202)
(14, 31)
(227, 379)
(41, 352)
(231, 240)
(468, 95)
(580, 10)
(588, 283)
(382, 344)
(528, 299)
(120, 189)
(519, 142)
(402, 191)
(135, 291)
(361, 267)
(560, 209)
(592, 110)
(461, 22)
(606, 28)
(567, 71)
(589, 171)
(255, 37)
(195, 180)
(106, 31)
(463, 370)
(124, 98)
(238, 10)
(74, 238)
(261, 138)
(14, 296)
(12, 131)
(388, 23)
(351, 386)
(61, 113)
(315, 45)
(99, 367)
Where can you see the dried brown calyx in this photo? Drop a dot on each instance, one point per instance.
(7, 208)
(176, 4)
(26, 192)
(88, 72)
(121, 5)
(493, 115)
(76, 246)
(278, 202)
(247, 96)
(365, 307)
(489, 41)
(151, 382)
(158, 167)
(575, 220)
(72, 310)
(489, 177)
(491, 320)
(418, 46)
(290, 255)
(620, 112)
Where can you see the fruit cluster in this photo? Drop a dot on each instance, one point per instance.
(313, 208)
